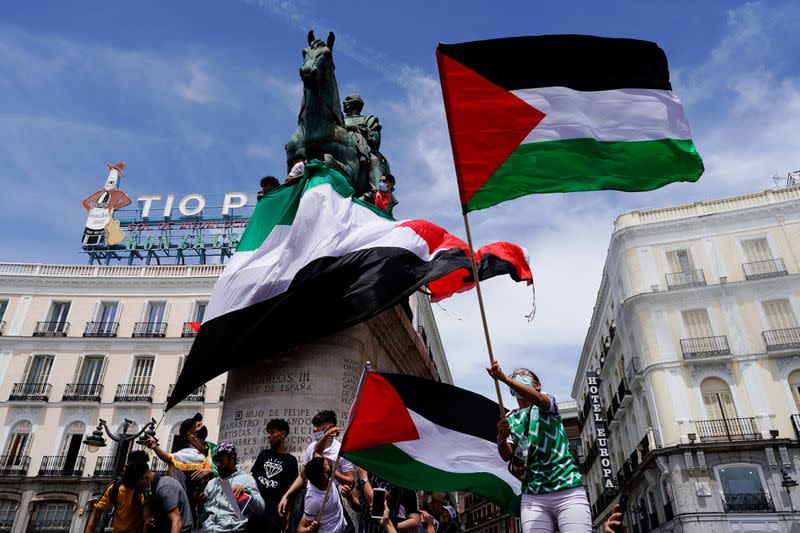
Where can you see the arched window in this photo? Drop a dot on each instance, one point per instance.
(653, 509)
(55, 517)
(717, 399)
(667, 489)
(176, 442)
(794, 384)
(19, 442)
(72, 444)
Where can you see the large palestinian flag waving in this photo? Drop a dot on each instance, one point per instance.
(424, 435)
(313, 261)
(562, 113)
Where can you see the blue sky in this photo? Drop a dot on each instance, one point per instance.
(201, 96)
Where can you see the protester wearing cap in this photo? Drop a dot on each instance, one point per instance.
(535, 442)
(231, 498)
(195, 456)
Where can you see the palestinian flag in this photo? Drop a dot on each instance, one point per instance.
(314, 260)
(562, 113)
(425, 435)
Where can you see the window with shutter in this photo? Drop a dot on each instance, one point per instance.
(3, 307)
(697, 323)
(142, 372)
(779, 314)
(18, 443)
(91, 371)
(679, 261)
(58, 317)
(717, 399)
(200, 311)
(756, 250)
(39, 370)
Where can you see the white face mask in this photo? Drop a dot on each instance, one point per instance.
(318, 435)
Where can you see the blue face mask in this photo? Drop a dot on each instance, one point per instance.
(383, 187)
(525, 380)
(318, 435)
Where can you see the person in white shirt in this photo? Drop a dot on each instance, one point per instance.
(323, 513)
(324, 432)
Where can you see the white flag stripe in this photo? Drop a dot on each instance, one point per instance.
(255, 276)
(456, 452)
(615, 115)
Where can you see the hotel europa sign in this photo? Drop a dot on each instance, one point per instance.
(596, 414)
(162, 228)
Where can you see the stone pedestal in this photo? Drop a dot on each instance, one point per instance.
(321, 375)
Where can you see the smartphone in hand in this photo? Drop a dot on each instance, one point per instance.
(378, 502)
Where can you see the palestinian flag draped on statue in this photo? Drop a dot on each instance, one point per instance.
(313, 261)
(425, 435)
(562, 113)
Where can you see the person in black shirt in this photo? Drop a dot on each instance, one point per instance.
(402, 503)
(274, 470)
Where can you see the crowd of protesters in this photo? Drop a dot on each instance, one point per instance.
(203, 490)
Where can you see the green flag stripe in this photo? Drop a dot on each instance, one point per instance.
(589, 165)
(399, 468)
(279, 207)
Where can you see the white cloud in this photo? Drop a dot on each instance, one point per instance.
(261, 151)
(200, 88)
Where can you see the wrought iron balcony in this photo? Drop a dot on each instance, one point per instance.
(747, 503)
(764, 269)
(197, 395)
(14, 465)
(134, 392)
(149, 329)
(30, 391)
(633, 368)
(58, 466)
(686, 278)
(781, 339)
(104, 467)
(2, 327)
(43, 525)
(101, 329)
(728, 429)
(82, 392)
(51, 329)
(158, 466)
(705, 347)
(188, 331)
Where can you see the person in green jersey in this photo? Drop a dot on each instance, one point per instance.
(533, 437)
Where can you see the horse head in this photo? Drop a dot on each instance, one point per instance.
(317, 61)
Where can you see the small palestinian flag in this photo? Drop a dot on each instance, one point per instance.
(313, 261)
(562, 113)
(425, 435)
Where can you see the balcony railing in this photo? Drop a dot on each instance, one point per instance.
(705, 347)
(30, 391)
(728, 429)
(83, 392)
(14, 465)
(101, 329)
(134, 392)
(188, 331)
(58, 465)
(51, 329)
(58, 525)
(197, 395)
(158, 466)
(2, 327)
(104, 467)
(781, 339)
(633, 368)
(149, 329)
(686, 278)
(764, 269)
(747, 503)
(796, 425)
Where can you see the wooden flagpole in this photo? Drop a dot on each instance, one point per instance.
(483, 312)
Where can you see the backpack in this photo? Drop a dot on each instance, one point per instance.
(108, 512)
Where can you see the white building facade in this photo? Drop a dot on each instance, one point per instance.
(84, 343)
(696, 345)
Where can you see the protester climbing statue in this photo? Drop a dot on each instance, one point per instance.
(321, 126)
(366, 133)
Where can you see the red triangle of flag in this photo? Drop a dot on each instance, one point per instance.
(380, 417)
(486, 122)
(195, 326)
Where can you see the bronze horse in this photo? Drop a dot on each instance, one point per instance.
(320, 124)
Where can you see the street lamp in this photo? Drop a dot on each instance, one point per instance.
(95, 441)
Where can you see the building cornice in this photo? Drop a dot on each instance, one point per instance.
(95, 345)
